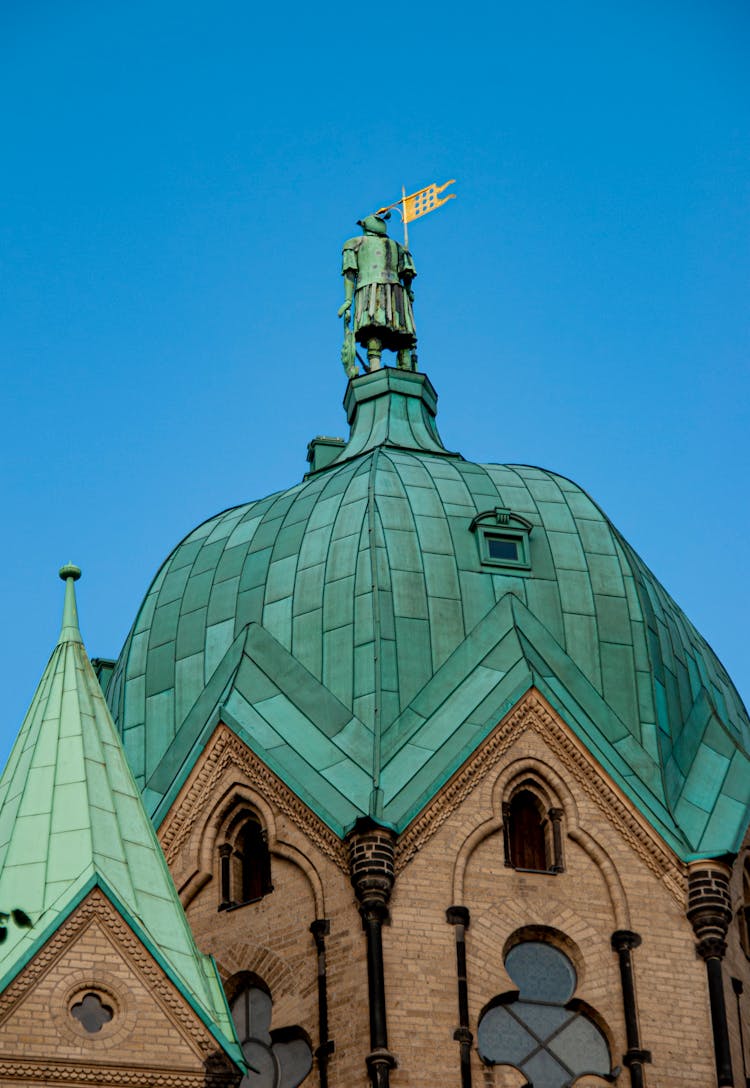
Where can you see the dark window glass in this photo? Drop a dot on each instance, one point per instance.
(527, 841)
(551, 1044)
(500, 547)
(255, 863)
(92, 1013)
(281, 1059)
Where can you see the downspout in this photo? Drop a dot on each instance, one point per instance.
(623, 942)
(371, 857)
(320, 929)
(738, 990)
(459, 918)
(710, 912)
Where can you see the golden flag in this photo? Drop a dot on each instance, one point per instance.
(419, 203)
(424, 201)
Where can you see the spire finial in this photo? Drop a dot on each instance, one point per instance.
(70, 633)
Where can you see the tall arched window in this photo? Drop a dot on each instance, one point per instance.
(532, 836)
(528, 846)
(244, 862)
(281, 1058)
(255, 862)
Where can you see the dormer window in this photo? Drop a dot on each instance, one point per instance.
(503, 538)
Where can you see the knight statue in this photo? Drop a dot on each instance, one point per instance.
(378, 274)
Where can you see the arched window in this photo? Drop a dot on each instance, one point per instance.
(255, 862)
(532, 837)
(538, 1029)
(244, 862)
(281, 1058)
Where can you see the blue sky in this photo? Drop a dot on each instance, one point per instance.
(176, 181)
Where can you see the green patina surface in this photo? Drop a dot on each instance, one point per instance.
(349, 632)
(71, 818)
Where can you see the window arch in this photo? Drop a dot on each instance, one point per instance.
(244, 862)
(537, 1028)
(532, 834)
(280, 1058)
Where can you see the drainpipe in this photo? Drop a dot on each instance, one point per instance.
(738, 990)
(459, 918)
(371, 855)
(623, 943)
(320, 929)
(710, 912)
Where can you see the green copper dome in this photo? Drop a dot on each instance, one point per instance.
(366, 629)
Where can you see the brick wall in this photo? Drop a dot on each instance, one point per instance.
(153, 1036)
(617, 875)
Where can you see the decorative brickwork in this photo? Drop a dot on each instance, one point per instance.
(532, 712)
(154, 1036)
(52, 1072)
(225, 750)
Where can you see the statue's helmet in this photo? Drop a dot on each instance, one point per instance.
(375, 224)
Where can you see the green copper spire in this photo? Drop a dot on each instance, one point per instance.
(70, 633)
(71, 818)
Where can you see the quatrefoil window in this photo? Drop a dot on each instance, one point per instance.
(91, 1013)
(537, 1029)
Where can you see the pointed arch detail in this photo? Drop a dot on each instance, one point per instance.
(224, 823)
(541, 780)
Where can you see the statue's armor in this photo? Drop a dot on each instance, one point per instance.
(375, 260)
(382, 307)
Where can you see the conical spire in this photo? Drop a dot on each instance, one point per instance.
(70, 633)
(71, 817)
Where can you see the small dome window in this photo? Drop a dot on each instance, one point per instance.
(503, 538)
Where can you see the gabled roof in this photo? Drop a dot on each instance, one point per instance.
(71, 817)
(366, 580)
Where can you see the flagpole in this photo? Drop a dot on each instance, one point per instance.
(403, 208)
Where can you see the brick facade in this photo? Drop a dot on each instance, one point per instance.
(616, 876)
(153, 1037)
